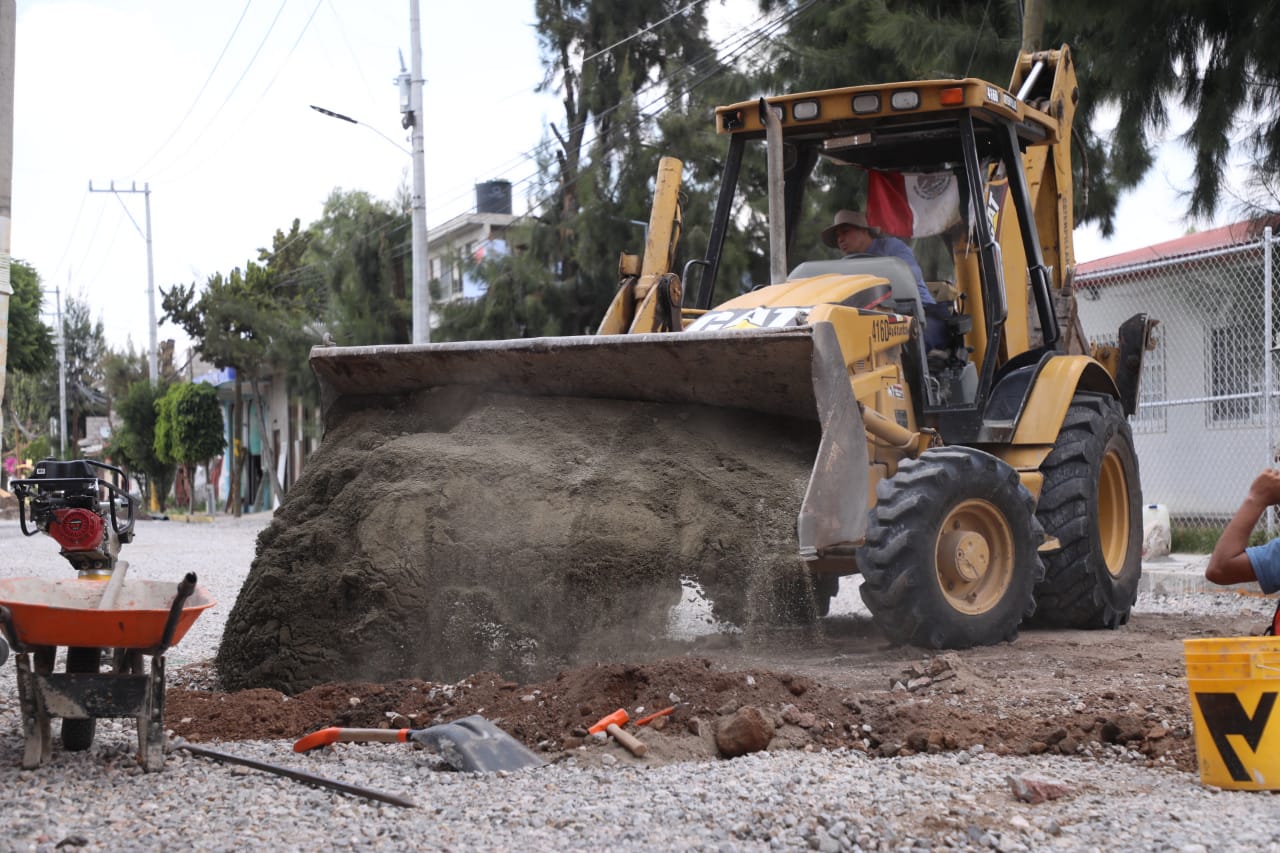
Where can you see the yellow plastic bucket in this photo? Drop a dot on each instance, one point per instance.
(1234, 684)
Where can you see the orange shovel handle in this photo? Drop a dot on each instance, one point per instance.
(333, 734)
(655, 715)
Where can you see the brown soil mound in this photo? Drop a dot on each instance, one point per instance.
(948, 706)
(446, 533)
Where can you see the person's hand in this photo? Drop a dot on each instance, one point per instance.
(1266, 487)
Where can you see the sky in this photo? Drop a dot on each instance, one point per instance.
(208, 105)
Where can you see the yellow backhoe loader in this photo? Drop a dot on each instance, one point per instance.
(975, 485)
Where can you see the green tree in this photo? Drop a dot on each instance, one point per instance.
(253, 320)
(31, 346)
(133, 440)
(359, 248)
(84, 349)
(615, 67)
(189, 429)
(1215, 60)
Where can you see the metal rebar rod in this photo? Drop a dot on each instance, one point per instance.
(297, 775)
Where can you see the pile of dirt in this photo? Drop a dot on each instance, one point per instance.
(449, 532)
(931, 704)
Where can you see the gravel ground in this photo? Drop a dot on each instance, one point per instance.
(101, 800)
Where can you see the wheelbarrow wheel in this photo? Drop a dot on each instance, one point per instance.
(77, 735)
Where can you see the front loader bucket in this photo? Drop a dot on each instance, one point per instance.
(796, 371)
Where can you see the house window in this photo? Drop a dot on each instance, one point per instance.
(1151, 390)
(1235, 377)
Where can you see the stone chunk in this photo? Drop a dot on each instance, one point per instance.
(745, 732)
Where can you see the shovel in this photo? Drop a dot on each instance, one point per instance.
(471, 744)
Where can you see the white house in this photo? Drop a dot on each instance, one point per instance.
(1204, 426)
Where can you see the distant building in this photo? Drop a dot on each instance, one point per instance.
(468, 238)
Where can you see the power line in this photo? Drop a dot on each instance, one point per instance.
(201, 135)
(199, 94)
(735, 44)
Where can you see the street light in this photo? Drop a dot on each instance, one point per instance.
(332, 114)
(421, 296)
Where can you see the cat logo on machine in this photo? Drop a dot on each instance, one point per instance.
(749, 318)
(889, 328)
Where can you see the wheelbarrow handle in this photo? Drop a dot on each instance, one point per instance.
(185, 588)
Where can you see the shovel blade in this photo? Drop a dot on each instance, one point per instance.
(475, 745)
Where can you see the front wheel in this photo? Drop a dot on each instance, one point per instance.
(1092, 502)
(77, 735)
(951, 555)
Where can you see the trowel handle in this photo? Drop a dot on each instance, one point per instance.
(334, 734)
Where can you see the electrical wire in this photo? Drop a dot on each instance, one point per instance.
(736, 46)
(200, 164)
(201, 135)
(199, 94)
(731, 48)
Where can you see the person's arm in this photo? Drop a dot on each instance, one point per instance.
(893, 247)
(1229, 563)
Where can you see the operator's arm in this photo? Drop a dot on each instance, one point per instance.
(1230, 563)
(895, 248)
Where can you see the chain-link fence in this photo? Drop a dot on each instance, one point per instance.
(1205, 425)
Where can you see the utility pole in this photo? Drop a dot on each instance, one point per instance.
(62, 373)
(152, 357)
(8, 59)
(421, 291)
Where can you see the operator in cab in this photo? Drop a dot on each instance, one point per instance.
(854, 236)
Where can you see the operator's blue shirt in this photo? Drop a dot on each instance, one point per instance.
(892, 247)
(1265, 560)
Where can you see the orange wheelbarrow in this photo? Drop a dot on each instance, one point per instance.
(146, 618)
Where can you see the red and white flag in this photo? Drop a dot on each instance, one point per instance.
(907, 204)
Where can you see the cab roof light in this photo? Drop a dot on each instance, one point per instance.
(868, 102)
(732, 120)
(952, 97)
(804, 110)
(906, 99)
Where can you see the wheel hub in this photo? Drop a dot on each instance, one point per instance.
(974, 556)
(965, 554)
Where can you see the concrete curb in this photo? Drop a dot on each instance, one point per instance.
(1182, 574)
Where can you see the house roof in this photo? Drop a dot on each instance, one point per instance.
(1235, 234)
(466, 221)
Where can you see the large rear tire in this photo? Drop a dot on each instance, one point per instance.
(951, 555)
(1092, 502)
(77, 735)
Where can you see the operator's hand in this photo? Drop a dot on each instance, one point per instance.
(1266, 488)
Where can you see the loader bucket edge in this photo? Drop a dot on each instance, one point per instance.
(834, 512)
(795, 371)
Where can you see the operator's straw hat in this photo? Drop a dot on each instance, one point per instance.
(847, 217)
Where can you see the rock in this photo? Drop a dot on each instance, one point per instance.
(745, 732)
(1037, 789)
